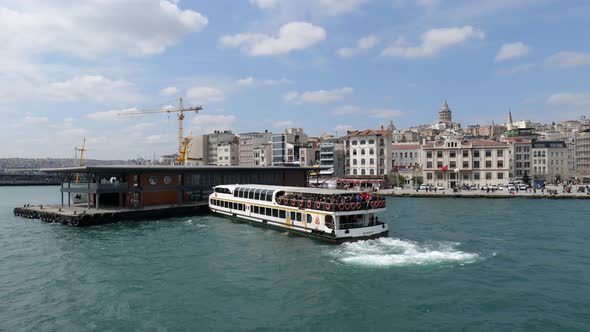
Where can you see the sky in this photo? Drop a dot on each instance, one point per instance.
(68, 69)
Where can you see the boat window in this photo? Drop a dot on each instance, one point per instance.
(282, 214)
(309, 218)
(275, 213)
(264, 195)
(251, 193)
(329, 221)
(269, 197)
(255, 209)
(261, 211)
(268, 212)
(292, 216)
(299, 216)
(257, 194)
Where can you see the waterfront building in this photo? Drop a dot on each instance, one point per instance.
(198, 150)
(368, 153)
(214, 140)
(332, 158)
(405, 155)
(168, 159)
(550, 161)
(308, 155)
(582, 154)
(228, 154)
(263, 155)
(454, 162)
(286, 146)
(248, 142)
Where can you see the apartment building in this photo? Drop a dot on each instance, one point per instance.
(368, 153)
(248, 142)
(228, 154)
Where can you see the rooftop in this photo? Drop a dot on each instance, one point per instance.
(367, 132)
(165, 168)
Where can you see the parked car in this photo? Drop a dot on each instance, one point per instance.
(439, 187)
(494, 187)
(501, 187)
(511, 187)
(522, 186)
(473, 187)
(423, 187)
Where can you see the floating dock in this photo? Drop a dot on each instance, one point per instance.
(81, 216)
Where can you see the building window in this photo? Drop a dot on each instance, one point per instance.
(500, 176)
(439, 164)
(465, 153)
(500, 153)
(465, 176)
(453, 164)
(428, 154)
(429, 164)
(354, 142)
(439, 176)
(439, 154)
(475, 153)
(488, 176)
(500, 163)
(362, 161)
(465, 164)
(452, 154)
(354, 171)
(381, 152)
(428, 176)
(475, 175)
(476, 164)
(371, 161)
(363, 142)
(354, 162)
(488, 153)
(372, 171)
(354, 152)
(371, 151)
(488, 164)
(362, 152)
(363, 172)
(371, 141)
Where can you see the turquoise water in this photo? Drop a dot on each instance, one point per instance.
(452, 264)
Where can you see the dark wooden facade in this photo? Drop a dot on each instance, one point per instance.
(142, 186)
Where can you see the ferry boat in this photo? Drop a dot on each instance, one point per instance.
(327, 214)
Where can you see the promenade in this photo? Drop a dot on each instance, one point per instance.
(484, 194)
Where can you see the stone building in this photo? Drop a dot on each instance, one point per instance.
(368, 152)
(455, 162)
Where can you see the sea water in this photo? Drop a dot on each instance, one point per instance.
(448, 264)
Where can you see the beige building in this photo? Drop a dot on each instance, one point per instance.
(550, 161)
(406, 155)
(248, 142)
(228, 154)
(197, 150)
(455, 162)
(263, 155)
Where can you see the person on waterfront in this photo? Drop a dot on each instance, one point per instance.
(435, 190)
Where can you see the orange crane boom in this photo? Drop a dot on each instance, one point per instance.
(180, 115)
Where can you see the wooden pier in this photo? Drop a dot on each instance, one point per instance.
(81, 216)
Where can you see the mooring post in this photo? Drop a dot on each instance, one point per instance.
(62, 192)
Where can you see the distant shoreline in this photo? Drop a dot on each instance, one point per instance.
(492, 196)
(23, 184)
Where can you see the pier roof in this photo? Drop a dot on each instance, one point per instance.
(168, 168)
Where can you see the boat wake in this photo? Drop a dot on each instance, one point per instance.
(387, 252)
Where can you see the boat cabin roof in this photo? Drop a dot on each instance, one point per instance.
(303, 190)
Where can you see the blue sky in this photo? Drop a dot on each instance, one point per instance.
(68, 69)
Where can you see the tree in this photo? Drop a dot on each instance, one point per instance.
(419, 180)
(396, 179)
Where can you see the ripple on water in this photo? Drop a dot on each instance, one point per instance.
(388, 252)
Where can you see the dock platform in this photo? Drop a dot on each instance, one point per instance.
(79, 215)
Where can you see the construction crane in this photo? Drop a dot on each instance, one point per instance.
(182, 156)
(181, 110)
(82, 150)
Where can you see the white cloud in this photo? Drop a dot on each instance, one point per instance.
(285, 123)
(250, 81)
(517, 69)
(567, 60)
(201, 94)
(169, 91)
(158, 139)
(348, 109)
(291, 37)
(264, 4)
(384, 113)
(35, 119)
(512, 51)
(362, 44)
(339, 7)
(112, 114)
(207, 123)
(317, 97)
(429, 4)
(343, 128)
(572, 99)
(135, 27)
(433, 42)
(91, 87)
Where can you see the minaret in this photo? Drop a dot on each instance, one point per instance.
(509, 123)
(492, 130)
(445, 114)
(391, 127)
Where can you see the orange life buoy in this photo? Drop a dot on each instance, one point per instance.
(279, 200)
(301, 203)
(309, 204)
(328, 206)
(318, 205)
(383, 203)
(357, 206)
(347, 206)
(293, 202)
(341, 206)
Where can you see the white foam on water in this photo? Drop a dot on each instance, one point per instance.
(386, 252)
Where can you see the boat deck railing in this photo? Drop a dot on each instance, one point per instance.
(330, 206)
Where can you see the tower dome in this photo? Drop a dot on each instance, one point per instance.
(445, 114)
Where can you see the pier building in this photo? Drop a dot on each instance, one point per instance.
(132, 186)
